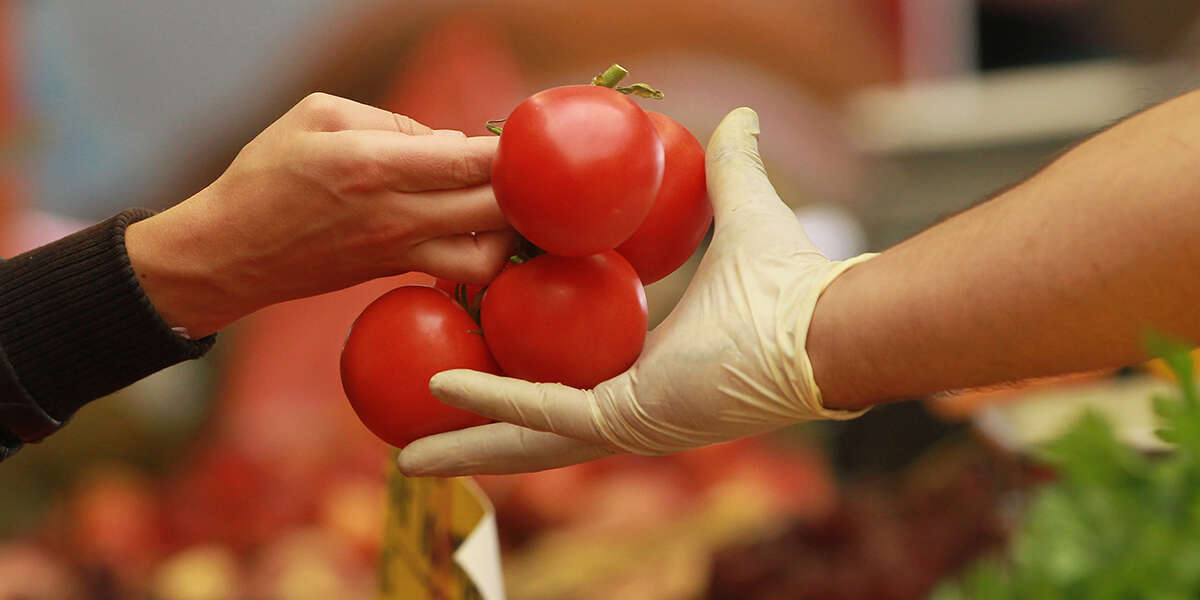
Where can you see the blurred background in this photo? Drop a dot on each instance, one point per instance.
(246, 475)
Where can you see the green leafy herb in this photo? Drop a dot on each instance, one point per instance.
(1117, 523)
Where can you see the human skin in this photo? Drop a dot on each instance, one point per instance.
(332, 194)
(1065, 272)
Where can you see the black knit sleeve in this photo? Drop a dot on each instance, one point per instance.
(75, 325)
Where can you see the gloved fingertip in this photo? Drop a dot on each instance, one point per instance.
(449, 385)
(734, 143)
(412, 464)
(735, 129)
(734, 168)
(744, 118)
(437, 384)
(406, 466)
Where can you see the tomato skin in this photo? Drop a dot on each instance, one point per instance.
(395, 346)
(577, 321)
(577, 169)
(681, 214)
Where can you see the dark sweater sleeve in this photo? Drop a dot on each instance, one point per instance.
(75, 325)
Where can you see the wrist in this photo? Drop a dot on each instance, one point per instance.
(842, 376)
(179, 274)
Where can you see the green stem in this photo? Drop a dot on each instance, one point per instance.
(525, 251)
(615, 74)
(611, 77)
(464, 299)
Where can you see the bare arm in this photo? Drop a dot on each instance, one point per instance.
(1062, 273)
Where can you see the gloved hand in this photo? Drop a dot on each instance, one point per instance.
(728, 362)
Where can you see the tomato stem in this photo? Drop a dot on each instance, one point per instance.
(463, 298)
(615, 74)
(460, 296)
(526, 250)
(611, 77)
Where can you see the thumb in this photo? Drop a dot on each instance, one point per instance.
(734, 169)
(746, 207)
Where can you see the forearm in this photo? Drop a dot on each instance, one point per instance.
(75, 325)
(1063, 273)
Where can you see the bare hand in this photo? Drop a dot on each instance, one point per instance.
(332, 194)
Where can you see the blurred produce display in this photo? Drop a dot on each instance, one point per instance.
(247, 476)
(646, 527)
(889, 537)
(210, 534)
(1117, 523)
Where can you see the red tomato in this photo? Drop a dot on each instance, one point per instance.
(577, 169)
(395, 346)
(681, 213)
(576, 321)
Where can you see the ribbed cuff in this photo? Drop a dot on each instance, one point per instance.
(75, 324)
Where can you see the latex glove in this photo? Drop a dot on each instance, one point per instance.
(728, 362)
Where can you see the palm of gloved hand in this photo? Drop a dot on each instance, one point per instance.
(728, 362)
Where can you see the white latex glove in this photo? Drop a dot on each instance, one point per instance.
(728, 362)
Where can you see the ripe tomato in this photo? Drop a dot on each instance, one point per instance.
(576, 321)
(577, 169)
(681, 213)
(395, 346)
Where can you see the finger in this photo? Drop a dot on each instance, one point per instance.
(496, 448)
(448, 212)
(734, 169)
(450, 132)
(550, 407)
(404, 124)
(326, 112)
(467, 258)
(405, 163)
(746, 207)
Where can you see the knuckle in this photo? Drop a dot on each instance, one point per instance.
(248, 152)
(347, 168)
(617, 424)
(406, 124)
(599, 422)
(324, 111)
(467, 169)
